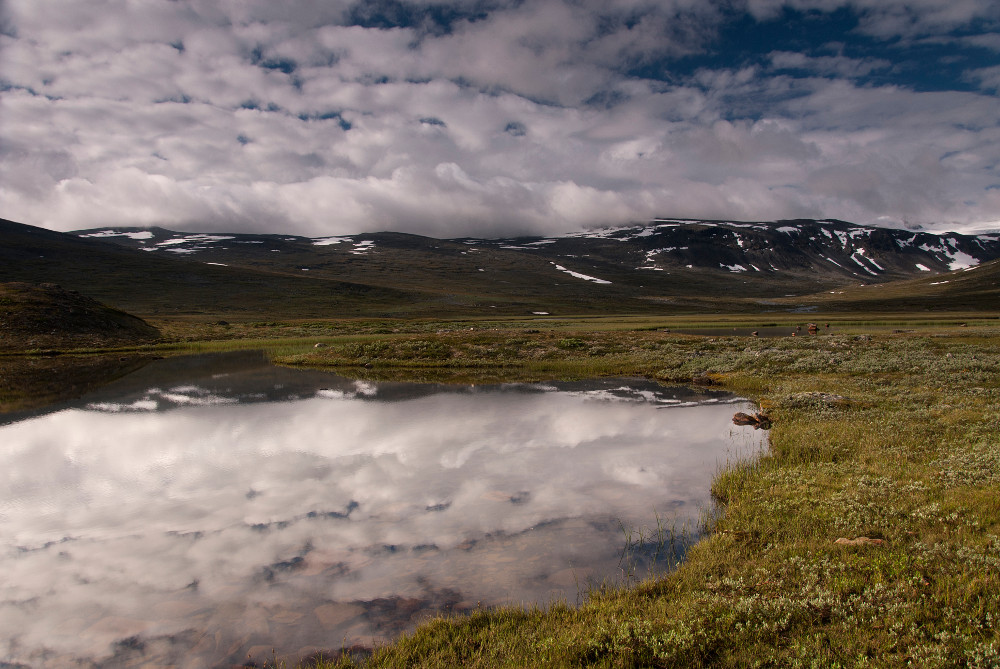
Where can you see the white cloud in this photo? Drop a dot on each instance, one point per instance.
(136, 115)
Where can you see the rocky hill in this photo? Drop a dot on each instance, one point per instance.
(666, 261)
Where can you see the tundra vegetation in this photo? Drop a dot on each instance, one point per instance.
(867, 535)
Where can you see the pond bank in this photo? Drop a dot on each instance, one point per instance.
(890, 437)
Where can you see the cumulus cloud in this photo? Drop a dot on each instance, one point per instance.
(478, 117)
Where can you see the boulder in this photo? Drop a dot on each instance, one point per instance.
(759, 421)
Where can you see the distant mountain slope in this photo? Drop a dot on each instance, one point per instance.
(828, 247)
(679, 258)
(797, 245)
(974, 288)
(667, 266)
(149, 285)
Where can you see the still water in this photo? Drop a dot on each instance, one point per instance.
(208, 508)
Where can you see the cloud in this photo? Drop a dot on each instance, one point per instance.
(476, 117)
(988, 78)
(838, 66)
(891, 19)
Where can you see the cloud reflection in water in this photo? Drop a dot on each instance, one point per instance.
(218, 528)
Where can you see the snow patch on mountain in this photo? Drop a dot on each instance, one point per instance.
(956, 258)
(861, 252)
(195, 239)
(329, 241)
(144, 234)
(585, 277)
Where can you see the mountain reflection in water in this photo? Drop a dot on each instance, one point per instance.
(208, 507)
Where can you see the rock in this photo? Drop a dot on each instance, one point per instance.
(703, 379)
(760, 421)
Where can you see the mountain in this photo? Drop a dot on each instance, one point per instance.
(784, 248)
(666, 266)
(975, 288)
(149, 285)
(666, 259)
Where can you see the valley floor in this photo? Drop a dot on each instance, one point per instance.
(868, 535)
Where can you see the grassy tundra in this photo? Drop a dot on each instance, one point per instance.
(869, 535)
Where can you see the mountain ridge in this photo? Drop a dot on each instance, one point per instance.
(666, 265)
(801, 248)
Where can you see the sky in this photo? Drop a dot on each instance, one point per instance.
(497, 117)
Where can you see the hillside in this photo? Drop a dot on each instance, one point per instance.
(667, 266)
(148, 285)
(664, 259)
(778, 250)
(971, 289)
(48, 316)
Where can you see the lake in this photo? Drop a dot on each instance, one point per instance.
(204, 509)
